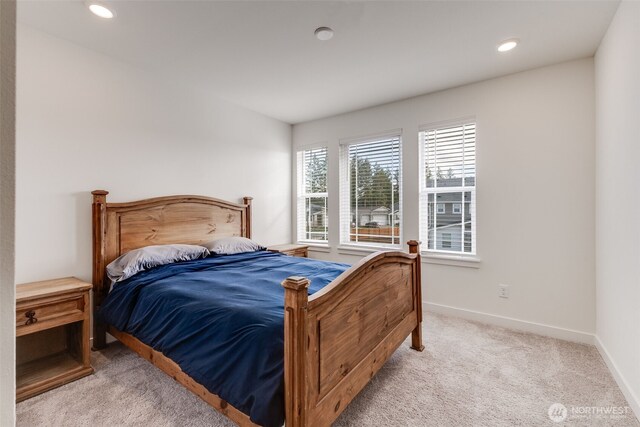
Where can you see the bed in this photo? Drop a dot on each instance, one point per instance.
(335, 331)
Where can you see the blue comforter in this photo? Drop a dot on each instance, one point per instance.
(222, 320)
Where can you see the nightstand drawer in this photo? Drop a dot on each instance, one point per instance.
(39, 315)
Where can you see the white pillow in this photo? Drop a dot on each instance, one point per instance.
(233, 245)
(142, 259)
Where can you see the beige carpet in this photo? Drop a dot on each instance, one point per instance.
(470, 374)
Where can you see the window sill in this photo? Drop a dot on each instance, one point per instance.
(346, 249)
(453, 260)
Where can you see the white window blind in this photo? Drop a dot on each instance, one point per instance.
(370, 191)
(312, 195)
(448, 188)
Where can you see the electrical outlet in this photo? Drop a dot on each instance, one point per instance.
(503, 291)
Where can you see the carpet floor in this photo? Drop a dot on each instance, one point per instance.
(470, 374)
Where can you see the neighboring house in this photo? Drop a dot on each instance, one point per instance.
(382, 216)
(449, 237)
(449, 209)
(378, 215)
(319, 216)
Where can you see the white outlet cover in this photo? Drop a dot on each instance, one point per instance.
(503, 291)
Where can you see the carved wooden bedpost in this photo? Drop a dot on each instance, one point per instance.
(296, 297)
(247, 201)
(416, 335)
(99, 225)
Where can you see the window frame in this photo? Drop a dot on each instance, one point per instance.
(302, 196)
(425, 191)
(345, 186)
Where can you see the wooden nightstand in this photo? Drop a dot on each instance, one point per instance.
(52, 334)
(291, 249)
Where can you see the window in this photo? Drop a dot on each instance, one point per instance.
(370, 191)
(312, 195)
(448, 176)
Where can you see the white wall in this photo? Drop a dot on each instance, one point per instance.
(85, 122)
(617, 70)
(7, 208)
(535, 213)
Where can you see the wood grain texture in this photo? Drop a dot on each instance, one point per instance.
(416, 334)
(172, 369)
(325, 411)
(247, 203)
(44, 313)
(185, 222)
(296, 296)
(51, 288)
(46, 373)
(355, 326)
(99, 280)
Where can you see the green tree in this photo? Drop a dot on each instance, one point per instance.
(382, 188)
(317, 174)
(395, 180)
(372, 186)
(361, 180)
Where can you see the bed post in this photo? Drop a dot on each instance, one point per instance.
(416, 335)
(296, 297)
(247, 227)
(99, 208)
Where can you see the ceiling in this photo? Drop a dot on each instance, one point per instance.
(263, 55)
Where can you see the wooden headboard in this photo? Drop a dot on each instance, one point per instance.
(121, 227)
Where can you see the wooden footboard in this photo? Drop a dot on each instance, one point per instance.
(339, 338)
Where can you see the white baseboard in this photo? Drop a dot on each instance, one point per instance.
(511, 323)
(632, 399)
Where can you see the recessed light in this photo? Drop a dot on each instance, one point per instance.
(324, 33)
(100, 10)
(507, 45)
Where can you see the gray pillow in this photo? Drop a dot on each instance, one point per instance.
(142, 259)
(233, 245)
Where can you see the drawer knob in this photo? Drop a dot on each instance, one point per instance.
(31, 317)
